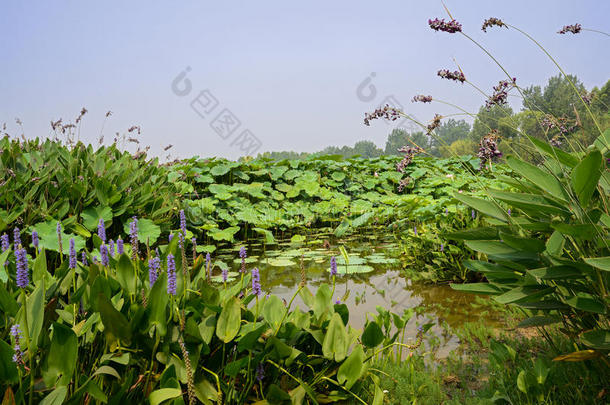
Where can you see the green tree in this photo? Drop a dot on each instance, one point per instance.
(497, 117)
(558, 97)
(367, 149)
(396, 139)
(460, 147)
(447, 133)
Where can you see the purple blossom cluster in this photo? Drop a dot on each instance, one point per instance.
(446, 26)
(500, 94)
(35, 240)
(436, 121)
(574, 29)
(112, 248)
(21, 259)
(256, 282)
(104, 255)
(133, 234)
(403, 183)
(120, 248)
(421, 99)
(225, 274)
(72, 255)
(83, 258)
(562, 124)
(101, 230)
(492, 21)
(5, 243)
(171, 274)
(243, 254)
(183, 223)
(409, 152)
(556, 141)
(333, 266)
(15, 332)
(488, 148)
(449, 75)
(16, 237)
(154, 265)
(387, 112)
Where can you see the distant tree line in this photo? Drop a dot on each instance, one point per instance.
(554, 113)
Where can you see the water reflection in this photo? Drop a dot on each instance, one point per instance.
(385, 287)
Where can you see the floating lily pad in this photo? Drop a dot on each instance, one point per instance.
(354, 269)
(280, 262)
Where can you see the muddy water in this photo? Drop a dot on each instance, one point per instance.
(383, 285)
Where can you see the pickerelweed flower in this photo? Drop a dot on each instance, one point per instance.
(183, 223)
(225, 274)
(500, 94)
(492, 21)
(473, 214)
(35, 240)
(21, 259)
(415, 230)
(58, 230)
(440, 25)
(104, 255)
(170, 237)
(333, 266)
(120, 248)
(387, 112)
(574, 29)
(5, 243)
(83, 258)
(133, 233)
(338, 302)
(111, 248)
(15, 332)
(243, 254)
(509, 212)
(260, 372)
(171, 274)
(455, 75)
(16, 237)
(446, 211)
(422, 99)
(72, 255)
(488, 149)
(94, 259)
(442, 247)
(101, 230)
(154, 265)
(256, 282)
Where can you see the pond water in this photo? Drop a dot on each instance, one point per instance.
(373, 277)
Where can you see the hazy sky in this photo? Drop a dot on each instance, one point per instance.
(289, 72)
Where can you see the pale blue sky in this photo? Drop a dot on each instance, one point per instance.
(289, 72)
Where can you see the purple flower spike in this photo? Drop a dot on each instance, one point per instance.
(442, 247)
(171, 275)
(256, 282)
(120, 249)
(112, 248)
(333, 266)
(15, 332)
(337, 302)
(260, 372)
(83, 258)
(225, 274)
(16, 237)
(153, 270)
(446, 211)
(5, 243)
(72, 258)
(473, 214)
(170, 237)
(415, 230)
(509, 212)
(243, 255)
(101, 230)
(104, 255)
(58, 229)
(182, 223)
(133, 233)
(21, 259)
(35, 240)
